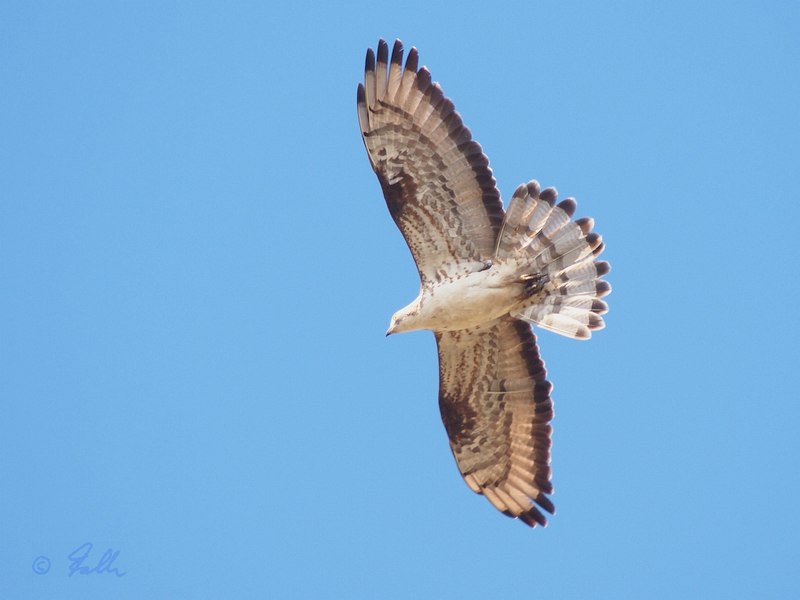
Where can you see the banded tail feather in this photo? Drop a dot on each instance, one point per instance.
(545, 240)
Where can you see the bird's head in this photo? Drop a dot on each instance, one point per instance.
(403, 319)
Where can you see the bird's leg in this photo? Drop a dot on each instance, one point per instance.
(534, 282)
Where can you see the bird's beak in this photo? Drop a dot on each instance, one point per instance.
(389, 332)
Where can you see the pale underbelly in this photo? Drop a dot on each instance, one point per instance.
(461, 305)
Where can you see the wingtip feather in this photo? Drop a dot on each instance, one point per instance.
(397, 52)
(369, 62)
(383, 51)
(412, 61)
(533, 517)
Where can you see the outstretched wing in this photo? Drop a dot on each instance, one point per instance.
(435, 178)
(495, 402)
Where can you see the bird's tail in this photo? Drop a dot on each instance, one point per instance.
(557, 262)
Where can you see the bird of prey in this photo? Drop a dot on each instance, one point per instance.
(485, 276)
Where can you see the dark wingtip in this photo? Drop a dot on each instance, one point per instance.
(543, 483)
(534, 189)
(423, 79)
(361, 94)
(383, 51)
(435, 94)
(542, 389)
(532, 517)
(412, 62)
(397, 53)
(369, 64)
(546, 503)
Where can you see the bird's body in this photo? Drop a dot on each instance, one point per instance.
(465, 301)
(485, 276)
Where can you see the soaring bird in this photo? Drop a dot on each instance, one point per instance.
(485, 276)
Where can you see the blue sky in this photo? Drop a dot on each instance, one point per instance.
(198, 269)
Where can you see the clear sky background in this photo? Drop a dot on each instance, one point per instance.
(197, 268)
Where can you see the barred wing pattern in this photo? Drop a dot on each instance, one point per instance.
(496, 407)
(436, 180)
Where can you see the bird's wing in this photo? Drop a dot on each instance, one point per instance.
(435, 178)
(495, 403)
